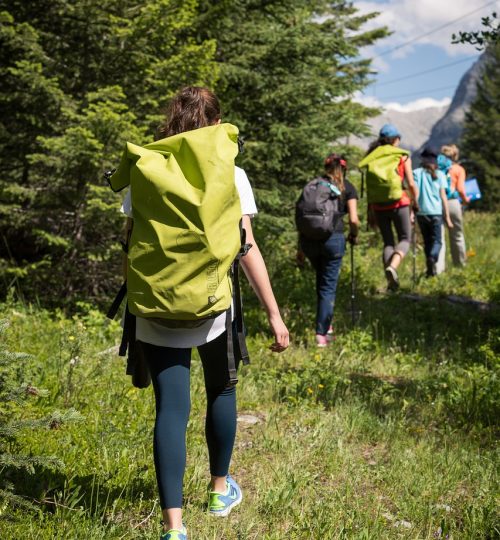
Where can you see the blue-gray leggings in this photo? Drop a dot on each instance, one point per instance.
(170, 376)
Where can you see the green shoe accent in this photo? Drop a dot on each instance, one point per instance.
(175, 534)
(221, 504)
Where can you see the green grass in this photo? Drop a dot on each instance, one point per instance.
(392, 433)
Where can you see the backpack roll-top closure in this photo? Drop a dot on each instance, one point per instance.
(186, 212)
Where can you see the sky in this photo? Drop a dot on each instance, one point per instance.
(409, 20)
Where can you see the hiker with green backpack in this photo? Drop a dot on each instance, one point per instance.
(189, 227)
(385, 169)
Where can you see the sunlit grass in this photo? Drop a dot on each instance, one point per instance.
(390, 433)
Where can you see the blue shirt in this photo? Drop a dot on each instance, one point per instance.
(429, 196)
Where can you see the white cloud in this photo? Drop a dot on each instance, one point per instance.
(416, 105)
(411, 18)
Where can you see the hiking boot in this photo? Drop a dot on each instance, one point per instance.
(175, 534)
(221, 504)
(321, 340)
(392, 278)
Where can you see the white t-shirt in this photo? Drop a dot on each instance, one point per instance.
(182, 338)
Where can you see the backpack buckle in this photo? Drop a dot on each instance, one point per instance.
(245, 248)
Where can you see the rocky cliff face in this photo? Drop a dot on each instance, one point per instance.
(449, 128)
(414, 126)
(433, 126)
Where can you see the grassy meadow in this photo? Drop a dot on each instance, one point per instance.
(390, 433)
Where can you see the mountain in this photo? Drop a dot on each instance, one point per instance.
(449, 128)
(415, 126)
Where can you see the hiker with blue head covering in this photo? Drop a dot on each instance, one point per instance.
(433, 205)
(456, 195)
(387, 171)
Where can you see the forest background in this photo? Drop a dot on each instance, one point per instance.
(81, 78)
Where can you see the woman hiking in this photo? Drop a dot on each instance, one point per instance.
(387, 172)
(326, 254)
(167, 350)
(433, 204)
(455, 192)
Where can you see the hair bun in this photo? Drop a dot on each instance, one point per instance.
(333, 159)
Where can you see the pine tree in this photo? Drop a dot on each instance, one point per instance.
(14, 395)
(488, 35)
(81, 78)
(479, 145)
(288, 70)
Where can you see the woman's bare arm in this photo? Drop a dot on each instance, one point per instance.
(411, 182)
(446, 211)
(255, 269)
(352, 209)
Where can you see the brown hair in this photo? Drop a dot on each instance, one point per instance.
(381, 141)
(335, 167)
(431, 168)
(192, 107)
(450, 151)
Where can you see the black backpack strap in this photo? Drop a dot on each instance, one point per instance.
(117, 302)
(239, 321)
(238, 306)
(128, 334)
(231, 360)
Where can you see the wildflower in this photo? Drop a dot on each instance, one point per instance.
(71, 338)
(321, 385)
(309, 390)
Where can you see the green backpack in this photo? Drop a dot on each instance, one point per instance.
(380, 172)
(187, 230)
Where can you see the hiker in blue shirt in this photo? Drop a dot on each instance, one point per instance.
(433, 205)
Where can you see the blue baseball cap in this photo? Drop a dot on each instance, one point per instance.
(389, 130)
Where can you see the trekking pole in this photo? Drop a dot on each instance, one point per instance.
(414, 250)
(353, 315)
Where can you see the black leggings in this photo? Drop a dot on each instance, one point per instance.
(170, 376)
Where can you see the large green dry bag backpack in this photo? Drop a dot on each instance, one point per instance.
(187, 228)
(380, 172)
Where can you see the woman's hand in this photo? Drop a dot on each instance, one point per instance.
(281, 335)
(300, 258)
(449, 223)
(256, 272)
(353, 239)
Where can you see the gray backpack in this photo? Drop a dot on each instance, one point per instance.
(317, 209)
